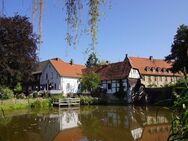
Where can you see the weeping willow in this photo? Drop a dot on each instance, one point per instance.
(73, 18)
(74, 10)
(37, 11)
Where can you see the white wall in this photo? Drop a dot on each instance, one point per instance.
(70, 85)
(69, 120)
(50, 75)
(134, 73)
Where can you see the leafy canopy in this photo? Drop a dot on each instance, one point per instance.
(90, 82)
(18, 46)
(179, 50)
(92, 60)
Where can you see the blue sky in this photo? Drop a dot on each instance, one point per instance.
(140, 28)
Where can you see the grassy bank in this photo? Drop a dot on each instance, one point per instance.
(14, 104)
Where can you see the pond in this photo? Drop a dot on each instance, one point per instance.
(87, 123)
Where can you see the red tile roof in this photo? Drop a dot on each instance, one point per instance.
(114, 71)
(156, 64)
(67, 69)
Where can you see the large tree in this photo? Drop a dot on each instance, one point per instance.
(90, 82)
(179, 50)
(18, 46)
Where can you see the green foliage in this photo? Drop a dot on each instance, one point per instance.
(179, 50)
(17, 50)
(56, 97)
(20, 96)
(18, 88)
(88, 100)
(90, 82)
(41, 103)
(15, 104)
(6, 93)
(92, 60)
(180, 110)
(74, 19)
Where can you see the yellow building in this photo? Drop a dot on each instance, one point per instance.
(154, 72)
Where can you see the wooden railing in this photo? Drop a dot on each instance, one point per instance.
(67, 102)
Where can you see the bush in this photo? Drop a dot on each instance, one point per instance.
(179, 129)
(41, 103)
(56, 97)
(18, 88)
(21, 96)
(6, 93)
(35, 94)
(88, 100)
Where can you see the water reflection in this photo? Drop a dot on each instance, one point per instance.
(95, 123)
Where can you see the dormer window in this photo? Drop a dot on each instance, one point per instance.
(158, 69)
(168, 70)
(163, 70)
(152, 69)
(147, 68)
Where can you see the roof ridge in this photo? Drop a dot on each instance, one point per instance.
(147, 58)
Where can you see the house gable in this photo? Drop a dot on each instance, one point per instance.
(134, 73)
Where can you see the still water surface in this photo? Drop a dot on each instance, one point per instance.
(94, 123)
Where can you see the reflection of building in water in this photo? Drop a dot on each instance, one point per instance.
(142, 123)
(54, 123)
(157, 132)
(69, 120)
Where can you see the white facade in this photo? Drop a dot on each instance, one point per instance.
(70, 85)
(52, 81)
(134, 73)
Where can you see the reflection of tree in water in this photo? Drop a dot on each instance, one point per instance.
(90, 125)
(29, 126)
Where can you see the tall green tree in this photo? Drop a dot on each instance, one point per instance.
(179, 50)
(92, 60)
(18, 46)
(90, 81)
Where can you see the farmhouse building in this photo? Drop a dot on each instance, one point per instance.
(57, 76)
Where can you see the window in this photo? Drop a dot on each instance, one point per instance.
(68, 85)
(109, 86)
(155, 78)
(149, 78)
(165, 78)
(160, 78)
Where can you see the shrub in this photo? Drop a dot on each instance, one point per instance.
(35, 94)
(179, 129)
(41, 103)
(6, 93)
(20, 96)
(88, 100)
(18, 88)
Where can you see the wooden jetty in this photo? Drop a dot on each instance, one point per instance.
(67, 102)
